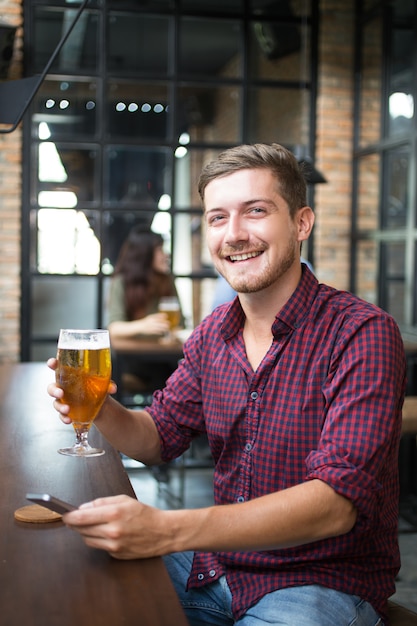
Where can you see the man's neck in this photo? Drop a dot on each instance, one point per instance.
(260, 310)
(261, 307)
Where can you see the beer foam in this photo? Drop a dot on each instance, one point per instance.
(98, 340)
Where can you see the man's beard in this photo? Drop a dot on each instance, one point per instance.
(266, 278)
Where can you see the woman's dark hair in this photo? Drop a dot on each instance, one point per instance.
(274, 157)
(135, 265)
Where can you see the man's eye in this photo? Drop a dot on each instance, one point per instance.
(216, 218)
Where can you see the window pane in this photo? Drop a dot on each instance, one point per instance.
(116, 227)
(395, 203)
(71, 3)
(65, 109)
(63, 302)
(404, 10)
(187, 169)
(210, 48)
(394, 260)
(414, 297)
(190, 254)
(65, 170)
(401, 83)
(80, 51)
(283, 8)
(138, 44)
(67, 242)
(137, 110)
(393, 279)
(279, 51)
(138, 5)
(210, 113)
(137, 176)
(219, 6)
(280, 115)
(367, 274)
(368, 193)
(395, 300)
(197, 297)
(370, 95)
(43, 350)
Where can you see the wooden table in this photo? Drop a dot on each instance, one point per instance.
(148, 347)
(48, 576)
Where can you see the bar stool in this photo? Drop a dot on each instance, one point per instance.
(400, 616)
(408, 465)
(410, 415)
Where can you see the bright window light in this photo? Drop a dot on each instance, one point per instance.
(66, 243)
(401, 104)
(184, 139)
(181, 152)
(43, 131)
(58, 199)
(164, 202)
(161, 223)
(51, 169)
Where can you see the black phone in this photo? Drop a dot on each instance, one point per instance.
(50, 502)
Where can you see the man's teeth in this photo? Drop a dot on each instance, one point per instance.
(243, 257)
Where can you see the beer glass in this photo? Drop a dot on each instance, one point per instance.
(171, 307)
(83, 372)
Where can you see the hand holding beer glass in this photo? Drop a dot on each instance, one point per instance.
(83, 372)
(170, 305)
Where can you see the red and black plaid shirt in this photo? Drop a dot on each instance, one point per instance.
(324, 403)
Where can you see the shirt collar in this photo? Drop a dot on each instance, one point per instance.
(287, 319)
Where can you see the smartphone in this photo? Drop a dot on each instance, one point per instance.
(44, 499)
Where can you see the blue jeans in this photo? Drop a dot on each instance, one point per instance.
(307, 605)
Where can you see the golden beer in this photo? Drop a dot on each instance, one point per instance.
(84, 375)
(171, 307)
(174, 318)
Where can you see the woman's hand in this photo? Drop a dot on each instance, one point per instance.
(153, 324)
(57, 393)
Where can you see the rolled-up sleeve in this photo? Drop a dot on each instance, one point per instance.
(363, 397)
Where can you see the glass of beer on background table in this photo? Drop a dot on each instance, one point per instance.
(83, 372)
(170, 305)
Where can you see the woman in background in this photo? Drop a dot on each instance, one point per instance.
(141, 278)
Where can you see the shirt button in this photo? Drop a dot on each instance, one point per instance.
(212, 573)
(240, 499)
(254, 395)
(248, 447)
(200, 576)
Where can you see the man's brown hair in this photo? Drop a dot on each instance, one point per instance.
(274, 157)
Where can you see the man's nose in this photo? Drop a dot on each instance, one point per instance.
(236, 230)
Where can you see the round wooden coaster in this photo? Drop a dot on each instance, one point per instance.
(36, 514)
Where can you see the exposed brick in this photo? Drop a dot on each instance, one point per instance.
(10, 208)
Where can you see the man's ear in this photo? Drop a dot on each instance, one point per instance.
(305, 222)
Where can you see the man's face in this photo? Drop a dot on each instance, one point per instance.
(250, 234)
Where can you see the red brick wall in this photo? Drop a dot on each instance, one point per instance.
(10, 208)
(334, 142)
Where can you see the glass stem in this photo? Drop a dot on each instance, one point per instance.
(82, 438)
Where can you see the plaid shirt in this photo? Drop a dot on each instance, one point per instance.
(324, 403)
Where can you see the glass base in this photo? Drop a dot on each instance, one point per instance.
(79, 450)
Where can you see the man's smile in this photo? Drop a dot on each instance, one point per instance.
(244, 256)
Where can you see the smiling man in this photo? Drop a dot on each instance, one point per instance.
(299, 389)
